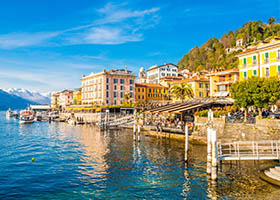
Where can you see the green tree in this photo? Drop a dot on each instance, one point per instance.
(271, 20)
(182, 91)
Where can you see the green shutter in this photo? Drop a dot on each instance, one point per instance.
(244, 60)
(255, 72)
(245, 74)
(278, 68)
(266, 54)
(254, 57)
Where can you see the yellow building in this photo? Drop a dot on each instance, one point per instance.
(263, 60)
(77, 97)
(150, 93)
(199, 85)
(221, 81)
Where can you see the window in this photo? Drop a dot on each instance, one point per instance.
(244, 61)
(173, 74)
(142, 96)
(142, 89)
(107, 102)
(107, 80)
(131, 88)
(254, 57)
(201, 94)
(138, 96)
(163, 74)
(155, 90)
(206, 85)
(131, 81)
(155, 95)
(168, 74)
(266, 54)
(267, 72)
(174, 70)
(115, 80)
(138, 89)
(115, 87)
(115, 94)
(255, 72)
(159, 90)
(150, 90)
(131, 94)
(121, 94)
(107, 87)
(122, 81)
(254, 60)
(245, 74)
(222, 88)
(200, 85)
(121, 87)
(162, 69)
(115, 102)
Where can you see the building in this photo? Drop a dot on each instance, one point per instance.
(263, 60)
(155, 73)
(77, 97)
(142, 78)
(55, 100)
(65, 98)
(108, 87)
(198, 83)
(150, 93)
(221, 81)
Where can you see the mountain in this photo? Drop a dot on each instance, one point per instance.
(12, 101)
(221, 53)
(39, 98)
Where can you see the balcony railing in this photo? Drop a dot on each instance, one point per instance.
(266, 60)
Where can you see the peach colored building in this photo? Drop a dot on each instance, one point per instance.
(108, 87)
(65, 98)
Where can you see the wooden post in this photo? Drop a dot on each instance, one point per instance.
(209, 148)
(214, 155)
(186, 142)
(139, 129)
(134, 132)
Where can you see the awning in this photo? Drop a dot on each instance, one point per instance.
(221, 94)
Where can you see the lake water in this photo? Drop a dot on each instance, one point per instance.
(79, 162)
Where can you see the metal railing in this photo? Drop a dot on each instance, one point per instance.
(249, 150)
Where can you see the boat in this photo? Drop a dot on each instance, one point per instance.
(15, 114)
(26, 117)
(9, 113)
(71, 122)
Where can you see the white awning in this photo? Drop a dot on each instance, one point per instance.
(221, 94)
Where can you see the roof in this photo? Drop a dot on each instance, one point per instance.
(154, 66)
(149, 85)
(40, 107)
(227, 71)
(193, 79)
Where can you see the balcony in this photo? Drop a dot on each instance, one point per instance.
(266, 60)
(224, 81)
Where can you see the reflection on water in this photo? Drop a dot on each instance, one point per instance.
(79, 162)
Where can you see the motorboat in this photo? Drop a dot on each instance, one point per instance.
(26, 117)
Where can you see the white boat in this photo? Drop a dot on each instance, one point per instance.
(26, 117)
(9, 113)
(71, 122)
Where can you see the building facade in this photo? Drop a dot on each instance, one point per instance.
(65, 98)
(77, 96)
(108, 87)
(263, 60)
(221, 81)
(155, 73)
(150, 93)
(55, 100)
(199, 84)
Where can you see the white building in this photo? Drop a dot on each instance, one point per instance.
(155, 73)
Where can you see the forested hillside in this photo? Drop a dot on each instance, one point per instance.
(220, 53)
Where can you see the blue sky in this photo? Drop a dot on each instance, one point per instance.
(48, 45)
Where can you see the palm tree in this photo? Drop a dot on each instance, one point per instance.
(182, 91)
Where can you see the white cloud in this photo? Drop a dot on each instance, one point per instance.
(116, 25)
(15, 40)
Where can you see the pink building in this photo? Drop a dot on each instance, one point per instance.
(108, 87)
(65, 98)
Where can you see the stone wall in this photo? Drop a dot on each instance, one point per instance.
(264, 129)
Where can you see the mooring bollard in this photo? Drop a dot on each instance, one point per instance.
(214, 155)
(209, 153)
(134, 132)
(186, 142)
(139, 129)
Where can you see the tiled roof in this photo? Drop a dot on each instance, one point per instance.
(201, 78)
(148, 85)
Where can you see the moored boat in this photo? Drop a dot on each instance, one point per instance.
(9, 113)
(26, 117)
